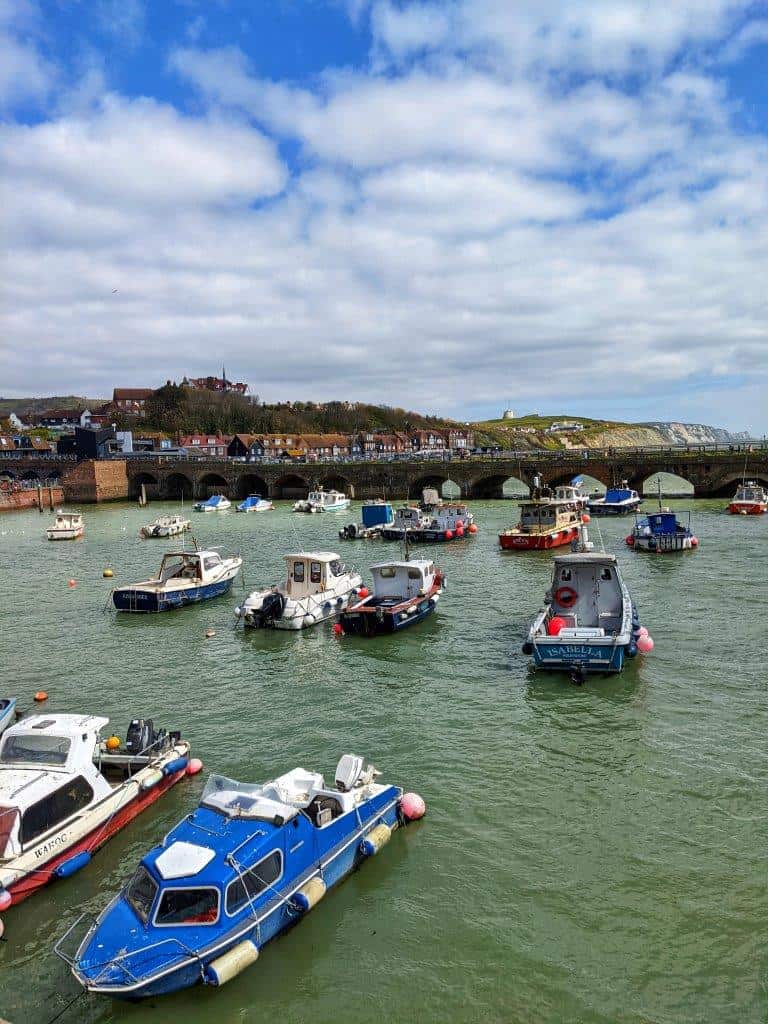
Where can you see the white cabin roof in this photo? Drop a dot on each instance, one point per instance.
(586, 557)
(182, 860)
(315, 556)
(71, 726)
(418, 563)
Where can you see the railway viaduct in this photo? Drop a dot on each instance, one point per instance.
(713, 473)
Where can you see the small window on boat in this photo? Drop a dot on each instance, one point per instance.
(605, 574)
(565, 574)
(188, 906)
(254, 882)
(315, 572)
(414, 574)
(336, 567)
(53, 750)
(212, 562)
(55, 808)
(141, 893)
(388, 572)
(298, 572)
(8, 816)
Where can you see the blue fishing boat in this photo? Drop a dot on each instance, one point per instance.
(618, 501)
(248, 863)
(7, 712)
(216, 503)
(588, 623)
(662, 533)
(255, 503)
(375, 515)
(185, 577)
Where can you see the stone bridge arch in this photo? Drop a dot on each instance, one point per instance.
(150, 482)
(337, 482)
(252, 483)
(178, 485)
(435, 479)
(291, 485)
(672, 484)
(213, 483)
(725, 486)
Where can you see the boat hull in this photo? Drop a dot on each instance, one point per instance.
(664, 544)
(368, 623)
(422, 536)
(139, 600)
(336, 864)
(538, 542)
(43, 873)
(65, 534)
(620, 509)
(747, 508)
(589, 657)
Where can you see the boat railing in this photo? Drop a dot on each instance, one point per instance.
(77, 933)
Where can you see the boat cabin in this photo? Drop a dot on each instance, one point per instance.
(587, 594)
(545, 515)
(47, 776)
(402, 581)
(189, 565)
(311, 572)
(750, 491)
(410, 517)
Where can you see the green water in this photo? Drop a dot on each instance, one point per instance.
(593, 854)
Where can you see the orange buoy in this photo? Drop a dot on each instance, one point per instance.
(113, 743)
(40, 696)
(586, 518)
(471, 528)
(71, 584)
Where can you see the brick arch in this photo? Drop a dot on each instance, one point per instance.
(252, 483)
(490, 485)
(436, 480)
(337, 482)
(725, 486)
(291, 485)
(212, 483)
(178, 485)
(150, 482)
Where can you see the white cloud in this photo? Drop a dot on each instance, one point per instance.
(25, 75)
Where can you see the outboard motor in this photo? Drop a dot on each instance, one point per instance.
(272, 607)
(349, 532)
(142, 736)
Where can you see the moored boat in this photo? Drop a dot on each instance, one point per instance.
(404, 593)
(323, 501)
(662, 532)
(216, 503)
(618, 501)
(255, 503)
(64, 792)
(184, 577)
(751, 499)
(446, 521)
(7, 712)
(317, 587)
(166, 526)
(247, 864)
(546, 521)
(375, 514)
(66, 526)
(588, 623)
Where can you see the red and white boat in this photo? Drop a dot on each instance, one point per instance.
(64, 792)
(546, 521)
(750, 500)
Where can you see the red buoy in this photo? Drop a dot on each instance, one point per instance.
(449, 534)
(630, 541)
(472, 528)
(363, 592)
(40, 696)
(338, 629)
(555, 624)
(586, 518)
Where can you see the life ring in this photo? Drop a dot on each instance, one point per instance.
(566, 597)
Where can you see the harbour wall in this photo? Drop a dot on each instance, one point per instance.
(13, 501)
(91, 481)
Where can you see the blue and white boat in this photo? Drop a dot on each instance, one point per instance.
(588, 622)
(255, 503)
(618, 501)
(375, 515)
(185, 577)
(247, 864)
(662, 533)
(216, 503)
(7, 712)
(323, 501)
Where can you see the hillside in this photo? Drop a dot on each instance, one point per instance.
(17, 405)
(533, 432)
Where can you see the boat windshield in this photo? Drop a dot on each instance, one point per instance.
(229, 795)
(24, 748)
(8, 818)
(141, 893)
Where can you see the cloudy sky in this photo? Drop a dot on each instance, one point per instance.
(449, 205)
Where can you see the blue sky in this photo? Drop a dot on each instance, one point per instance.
(448, 206)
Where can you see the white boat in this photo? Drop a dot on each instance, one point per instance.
(66, 526)
(64, 792)
(216, 503)
(317, 587)
(255, 503)
(323, 501)
(185, 577)
(166, 526)
(7, 712)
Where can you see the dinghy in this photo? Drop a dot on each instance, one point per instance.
(166, 526)
(216, 503)
(246, 865)
(254, 503)
(66, 526)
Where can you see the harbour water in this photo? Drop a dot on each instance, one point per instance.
(593, 854)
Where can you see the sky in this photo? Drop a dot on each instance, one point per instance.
(450, 206)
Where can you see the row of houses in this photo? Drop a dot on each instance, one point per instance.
(319, 446)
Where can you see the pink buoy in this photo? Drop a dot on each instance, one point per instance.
(194, 766)
(645, 644)
(5, 899)
(459, 531)
(459, 524)
(2, 928)
(694, 542)
(338, 629)
(449, 534)
(71, 584)
(642, 631)
(412, 806)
